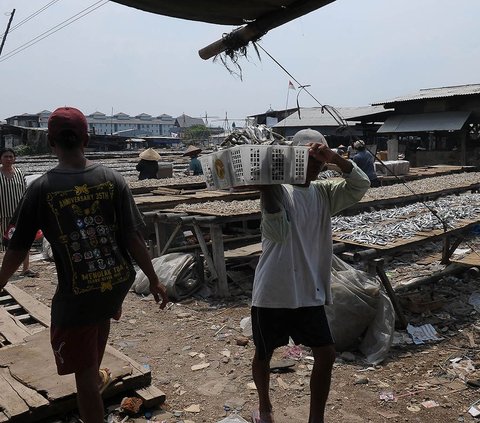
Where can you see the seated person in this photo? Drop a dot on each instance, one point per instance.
(366, 161)
(148, 164)
(195, 167)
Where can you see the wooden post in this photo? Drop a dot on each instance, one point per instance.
(170, 240)
(390, 292)
(463, 147)
(204, 248)
(392, 148)
(219, 259)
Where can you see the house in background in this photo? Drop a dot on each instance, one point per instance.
(25, 129)
(25, 120)
(121, 124)
(338, 124)
(435, 126)
(183, 122)
(271, 117)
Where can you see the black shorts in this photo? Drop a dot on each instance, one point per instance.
(273, 326)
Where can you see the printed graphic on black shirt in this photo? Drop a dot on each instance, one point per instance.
(87, 225)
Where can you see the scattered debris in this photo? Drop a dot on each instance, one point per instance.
(131, 405)
(200, 366)
(194, 408)
(241, 341)
(422, 334)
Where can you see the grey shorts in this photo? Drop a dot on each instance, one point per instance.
(273, 326)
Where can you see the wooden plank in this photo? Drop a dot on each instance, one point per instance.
(11, 403)
(12, 308)
(176, 186)
(5, 299)
(151, 396)
(119, 355)
(33, 364)
(35, 308)
(245, 251)
(159, 198)
(471, 259)
(11, 329)
(29, 368)
(31, 397)
(166, 191)
(218, 253)
(210, 212)
(205, 251)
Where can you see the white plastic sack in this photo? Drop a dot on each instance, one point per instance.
(233, 418)
(362, 315)
(177, 271)
(47, 252)
(246, 326)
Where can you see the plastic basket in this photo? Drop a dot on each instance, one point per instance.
(392, 167)
(255, 165)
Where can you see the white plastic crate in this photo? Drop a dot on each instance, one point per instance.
(392, 167)
(255, 165)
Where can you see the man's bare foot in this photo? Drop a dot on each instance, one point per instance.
(105, 379)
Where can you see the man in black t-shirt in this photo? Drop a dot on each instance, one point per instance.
(87, 213)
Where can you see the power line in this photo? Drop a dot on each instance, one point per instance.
(336, 115)
(330, 110)
(56, 28)
(6, 31)
(33, 15)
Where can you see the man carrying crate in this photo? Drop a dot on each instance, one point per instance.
(292, 279)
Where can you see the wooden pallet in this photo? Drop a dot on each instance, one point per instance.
(30, 388)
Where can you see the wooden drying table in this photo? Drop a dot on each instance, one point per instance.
(370, 251)
(207, 219)
(166, 200)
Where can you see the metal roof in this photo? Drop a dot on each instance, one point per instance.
(440, 92)
(443, 121)
(314, 117)
(185, 121)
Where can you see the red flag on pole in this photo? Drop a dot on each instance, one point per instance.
(290, 85)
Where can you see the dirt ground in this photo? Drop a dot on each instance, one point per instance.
(413, 384)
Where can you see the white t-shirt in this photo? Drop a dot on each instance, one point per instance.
(295, 265)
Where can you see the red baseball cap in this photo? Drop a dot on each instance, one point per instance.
(67, 119)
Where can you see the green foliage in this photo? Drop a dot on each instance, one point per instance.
(196, 133)
(24, 150)
(31, 149)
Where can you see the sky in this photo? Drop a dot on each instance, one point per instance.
(120, 59)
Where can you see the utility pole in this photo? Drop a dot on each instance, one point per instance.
(6, 32)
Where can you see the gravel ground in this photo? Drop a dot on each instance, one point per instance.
(415, 383)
